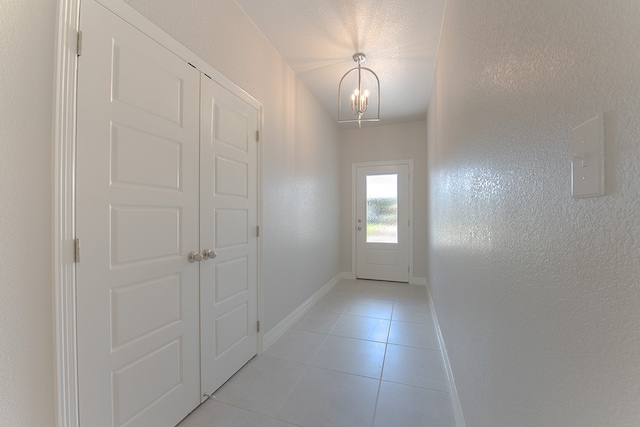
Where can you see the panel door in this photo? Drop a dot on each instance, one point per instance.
(137, 218)
(382, 222)
(228, 226)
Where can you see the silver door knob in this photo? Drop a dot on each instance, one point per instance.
(359, 228)
(209, 254)
(194, 257)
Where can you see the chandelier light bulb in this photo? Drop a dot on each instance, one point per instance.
(359, 102)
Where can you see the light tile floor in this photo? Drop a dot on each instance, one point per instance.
(365, 355)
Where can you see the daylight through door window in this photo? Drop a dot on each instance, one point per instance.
(382, 208)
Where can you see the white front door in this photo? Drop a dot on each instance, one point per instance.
(382, 222)
(228, 226)
(137, 195)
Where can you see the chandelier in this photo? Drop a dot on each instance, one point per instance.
(356, 103)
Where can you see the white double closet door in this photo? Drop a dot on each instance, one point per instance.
(166, 165)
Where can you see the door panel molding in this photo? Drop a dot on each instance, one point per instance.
(133, 17)
(354, 185)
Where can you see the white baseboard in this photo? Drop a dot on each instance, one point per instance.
(455, 400)
(422, 281)
(348, 275)
(277, 331)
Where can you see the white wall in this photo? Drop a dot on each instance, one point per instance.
(538, 294)
(379, 143)
(26, 333)
(300, 180)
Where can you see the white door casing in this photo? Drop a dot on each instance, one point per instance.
(137, 218)
(380, 260)
(228, 225)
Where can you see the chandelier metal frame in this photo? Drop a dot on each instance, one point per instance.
(359, 99)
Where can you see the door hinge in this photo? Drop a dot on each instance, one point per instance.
(76, 250)
(79, 44)
(257, 231)
(257, 136)
(258, 326)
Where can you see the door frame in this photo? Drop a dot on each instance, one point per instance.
(63, 188)
(354, 225)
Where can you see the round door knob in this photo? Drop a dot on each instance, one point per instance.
(194, 257)
(209, 254)
(359, 228)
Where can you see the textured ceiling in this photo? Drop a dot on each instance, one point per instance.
(318, 38)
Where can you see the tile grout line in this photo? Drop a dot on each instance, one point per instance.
(375, 407)
(415, 386)
(253, 412)
(306, 367)
(289, 395)
(384, 359)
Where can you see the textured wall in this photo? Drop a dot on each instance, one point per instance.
(538, 294)
(26, 334)
(300, 148)
(380, 143)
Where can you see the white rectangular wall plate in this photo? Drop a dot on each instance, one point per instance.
(587, 162)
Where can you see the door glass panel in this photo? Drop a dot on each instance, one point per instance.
(382, 208)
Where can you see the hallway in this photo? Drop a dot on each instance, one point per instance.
(366, 354)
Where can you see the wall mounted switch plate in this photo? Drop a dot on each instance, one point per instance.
(587, 163)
